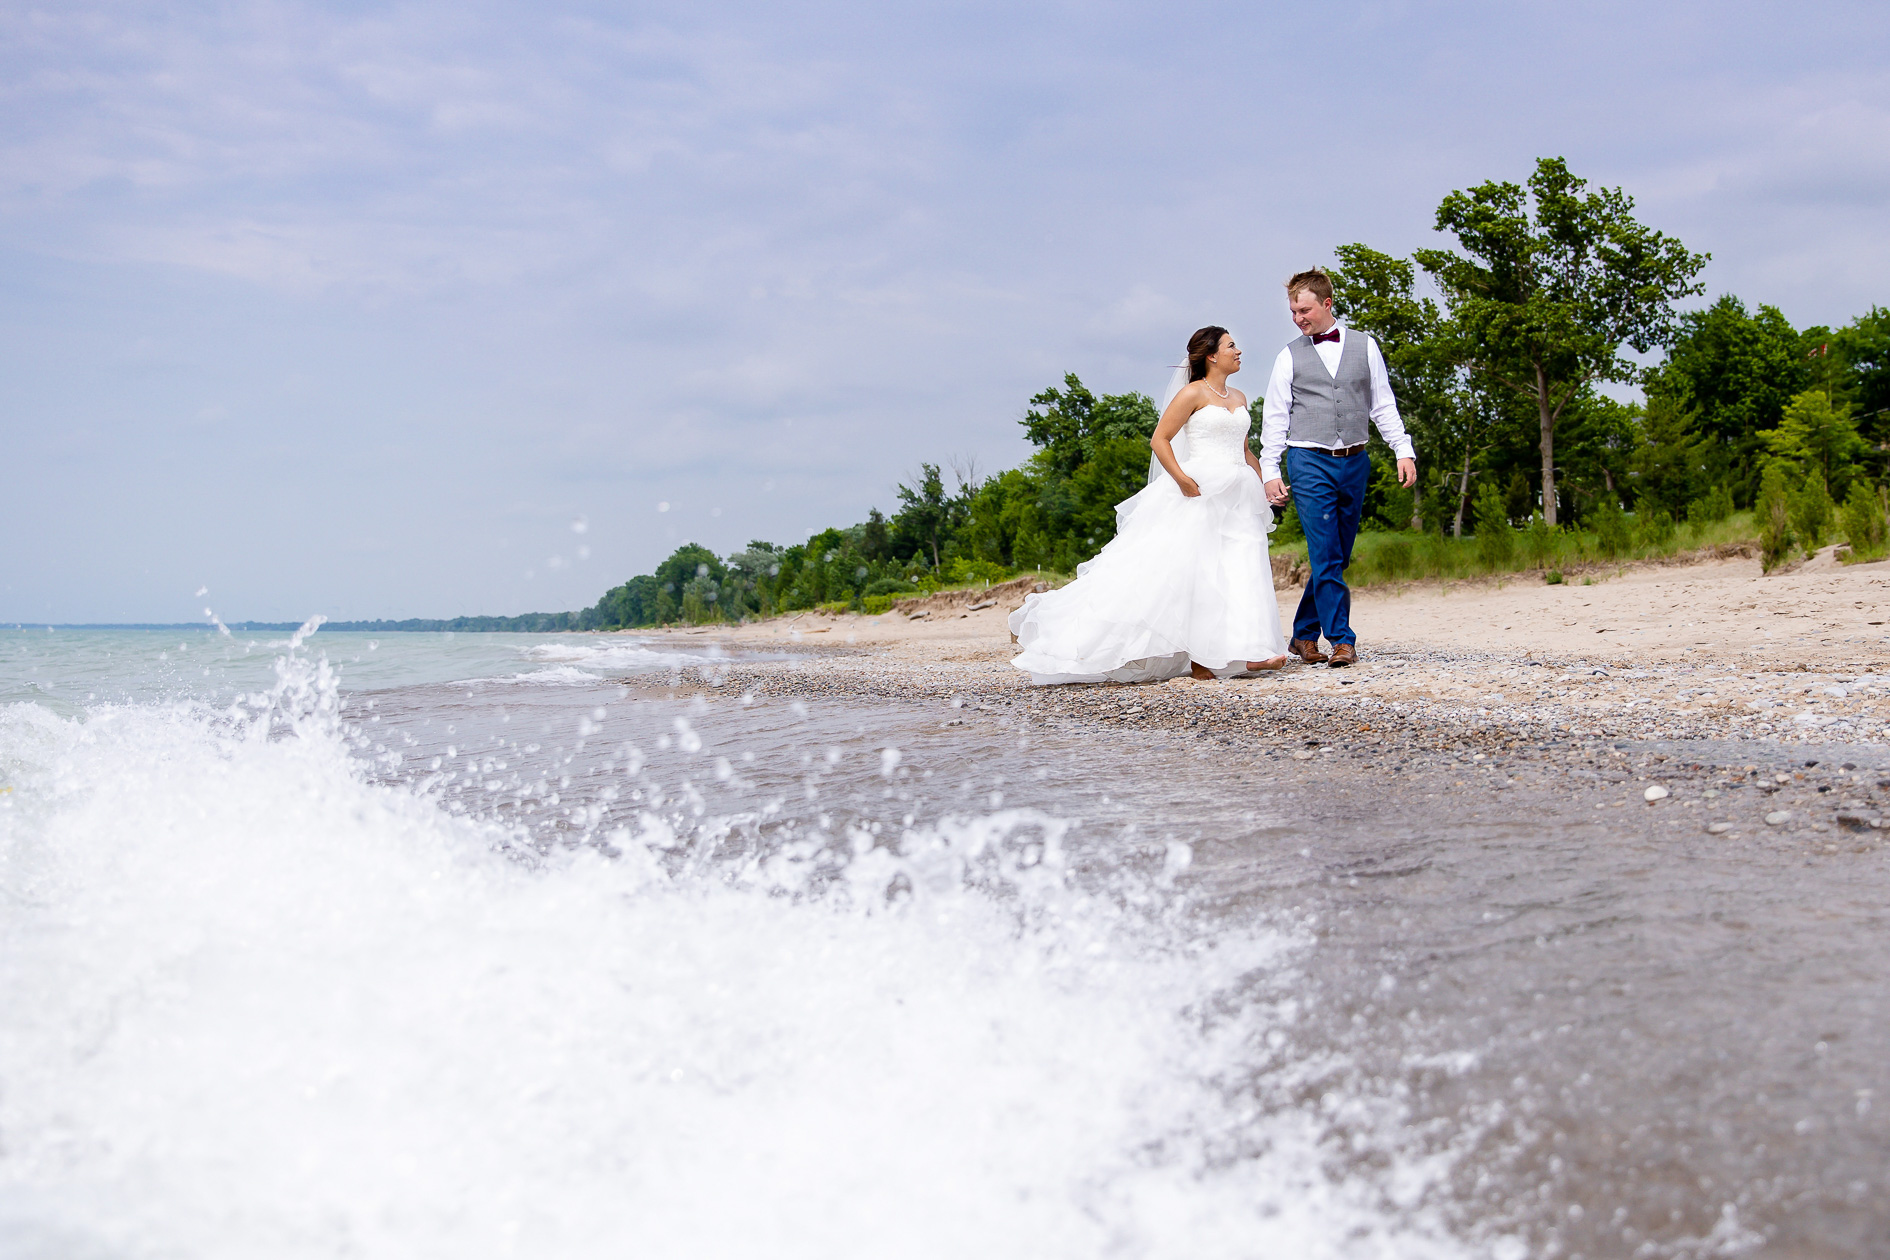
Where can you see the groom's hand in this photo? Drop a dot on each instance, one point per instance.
(1276, 489)
(1407, 473)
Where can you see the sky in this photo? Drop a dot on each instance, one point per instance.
(451, 308)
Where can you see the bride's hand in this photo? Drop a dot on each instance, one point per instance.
(1189, 487)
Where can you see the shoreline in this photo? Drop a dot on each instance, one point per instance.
(1719, 681)
(1707, 651)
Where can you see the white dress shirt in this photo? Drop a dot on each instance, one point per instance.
(1277, 409)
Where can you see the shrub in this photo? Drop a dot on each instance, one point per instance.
(1396, 509)
(1539, 541)
(1394, 559)
(874, 605)
(1553, 577)
(1495, 539)
(835, 606)
(1436, 558)
(1609, 522)
(1776, 539)
(1286, 525)
(890, 586)
(1656, 528)
(1812, 511)
(1710, 508)
(962, 570)
(1864, 520)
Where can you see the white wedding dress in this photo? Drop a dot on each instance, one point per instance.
(1183, 580)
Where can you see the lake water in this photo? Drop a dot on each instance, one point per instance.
(501, 945)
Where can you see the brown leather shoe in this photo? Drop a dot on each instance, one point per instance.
(1307, 651)
(1343, 654)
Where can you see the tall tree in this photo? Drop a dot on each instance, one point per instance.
(1818, 436)
(1376, 292)
(1449, 412)
(1669, 467)
(1864, 348)
(926, 519)
(1551, 284)
(1071, 424)
(1736, 369)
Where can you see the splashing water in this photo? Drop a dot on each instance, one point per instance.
(260, 1003)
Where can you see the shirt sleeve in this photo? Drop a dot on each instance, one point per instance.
(1275, 410)
(1384, 405)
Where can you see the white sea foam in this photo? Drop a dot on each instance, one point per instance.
(619, 656)
(550, 674)
(252, 1005)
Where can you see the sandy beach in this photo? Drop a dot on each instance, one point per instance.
(1704, 650)
(1693, 678)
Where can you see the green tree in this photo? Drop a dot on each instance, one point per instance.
(1377, 293)
(1773, 509)
(1595, 448)
(752, 578)
(1669, 465)
(1865, 526)
(1118, 469)
(1551, 284)
(1813, 513)
(1863, 348)
(692, 578)
(875, 538)
(1818, 436)
(638, 602)
(1612, 535)
(925, 521)
(1496, 540)
(1069, 425)
(1710, 508)
(1733, 369)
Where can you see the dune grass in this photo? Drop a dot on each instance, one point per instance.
(1382, 558)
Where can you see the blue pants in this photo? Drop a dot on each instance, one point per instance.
(1330, 494)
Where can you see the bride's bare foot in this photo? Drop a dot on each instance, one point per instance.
(1200, 672)
(1261, 667)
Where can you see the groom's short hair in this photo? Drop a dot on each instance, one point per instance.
(1318, 281)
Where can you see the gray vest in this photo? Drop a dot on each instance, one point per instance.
(1330, 409)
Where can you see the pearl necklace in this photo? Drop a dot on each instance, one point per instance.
(1221, 393)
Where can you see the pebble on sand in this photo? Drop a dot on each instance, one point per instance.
(1718, 828)
(1656, 793)
(1778, 818)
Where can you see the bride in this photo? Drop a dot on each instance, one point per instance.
(1185, 586)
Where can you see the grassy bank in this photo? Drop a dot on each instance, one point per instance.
(1381, 558)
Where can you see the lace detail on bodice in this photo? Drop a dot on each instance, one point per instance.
(1217, 434)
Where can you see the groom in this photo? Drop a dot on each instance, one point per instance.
(1323, 388)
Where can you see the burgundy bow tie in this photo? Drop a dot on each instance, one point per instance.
(1331, 334)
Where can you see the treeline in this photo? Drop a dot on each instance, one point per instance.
(1499, 363)
(1499, 376)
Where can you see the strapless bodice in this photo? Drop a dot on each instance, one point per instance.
(1218, 434)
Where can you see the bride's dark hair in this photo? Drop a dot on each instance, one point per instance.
(1204, 343)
